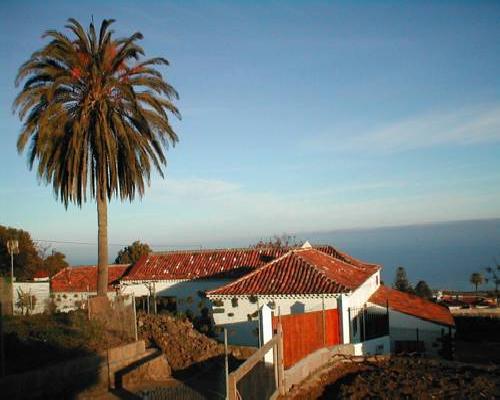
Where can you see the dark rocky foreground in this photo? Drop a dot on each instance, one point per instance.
(404, 378)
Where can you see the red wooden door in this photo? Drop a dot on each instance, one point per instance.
(305, 333)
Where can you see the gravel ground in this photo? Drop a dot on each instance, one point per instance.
(403, 378)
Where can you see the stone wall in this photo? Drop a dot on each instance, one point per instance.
(87, 375)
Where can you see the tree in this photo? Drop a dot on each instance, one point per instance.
(476, 279)
(55, 262)
(494, 275)
(401, 281)
(27, 261)
(423, 290)
(283, 241)
(130, 254)
(96, 116)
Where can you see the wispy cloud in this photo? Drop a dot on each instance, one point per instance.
(458, 127)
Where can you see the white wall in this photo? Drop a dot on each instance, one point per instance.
(243, 330)
(187, 292)
(70, 301)
(41, 291)
(357, 299)
(360, 296)
(377, 346)
(404, 327)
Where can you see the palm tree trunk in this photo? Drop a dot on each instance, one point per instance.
(102, 245)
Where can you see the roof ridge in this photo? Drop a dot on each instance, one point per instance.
(255, 271)
(95, 265)
(220, 249)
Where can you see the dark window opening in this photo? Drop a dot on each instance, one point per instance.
(166, 304)
(409, 346)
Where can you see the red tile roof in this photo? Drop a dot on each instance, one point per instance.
(223, 263)
(84, 278)
(300, 271)
(412, 305)
(41, 274)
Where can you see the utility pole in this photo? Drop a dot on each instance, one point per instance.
(13, 248)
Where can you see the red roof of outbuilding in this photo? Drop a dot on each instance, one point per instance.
(413, 305)
(40, 274)
(84, 278)
(301, 271)
(223, 263)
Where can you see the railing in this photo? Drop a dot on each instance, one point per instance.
(276, 346)
(368, 323)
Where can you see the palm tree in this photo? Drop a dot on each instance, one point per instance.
(476, 279)
(96, 116)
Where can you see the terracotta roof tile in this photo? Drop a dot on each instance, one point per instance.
(412, 305)
(301, 271)
(223, 263)
(84, 278)
(41, 273)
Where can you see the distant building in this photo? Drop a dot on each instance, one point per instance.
(41, 275)
(71, 287)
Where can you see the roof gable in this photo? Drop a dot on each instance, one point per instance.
(412, 305)
(298, 272)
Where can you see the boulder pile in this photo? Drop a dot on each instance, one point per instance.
(410, 378)
(181, 343)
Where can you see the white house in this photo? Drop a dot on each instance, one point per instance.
(178, 280)
(415, 323)
(302, 280)
(72, 286)
(306, 280)
(235, 283)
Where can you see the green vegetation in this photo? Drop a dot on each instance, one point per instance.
(423, 290)
(402, 284)
(130, 254)
(401, 281)
(476, 279)
(95, 119)
(31, 257)
(493, 274)
(283, 241)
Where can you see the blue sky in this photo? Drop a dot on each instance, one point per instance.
(297, 116)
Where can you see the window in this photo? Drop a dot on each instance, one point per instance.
(409, 346)
(166, 304)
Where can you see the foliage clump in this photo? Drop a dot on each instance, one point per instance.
(130, 254)
(31, 257)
